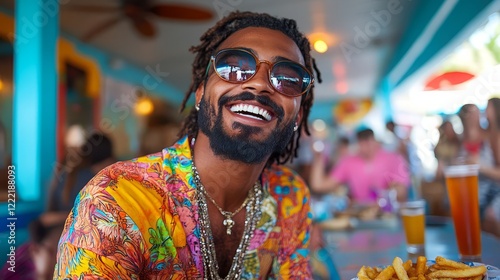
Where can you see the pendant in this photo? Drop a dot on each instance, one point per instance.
(229, 223)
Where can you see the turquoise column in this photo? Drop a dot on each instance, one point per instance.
(35, 96)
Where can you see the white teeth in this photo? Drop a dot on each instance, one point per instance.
(251, 109)
(255, 110)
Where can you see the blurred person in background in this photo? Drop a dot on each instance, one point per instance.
(475, 144)
(325, 205)
(493, 134)
(155, 138)
(330, 152)
(342, 149)
(476, 148)
(445, 151)
(446, 148)
(302, 163)
(95, 154)
(366, 173)
(492, 212)
(161, 129)
(393, 142)
(398, 139)
(35, 259)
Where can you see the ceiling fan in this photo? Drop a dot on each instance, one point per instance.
(139, 12)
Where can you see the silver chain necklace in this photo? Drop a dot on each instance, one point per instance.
(253, 214)
(228, 222)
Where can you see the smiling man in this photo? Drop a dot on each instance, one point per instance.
(219, 204)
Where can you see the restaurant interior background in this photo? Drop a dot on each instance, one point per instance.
(68, 66)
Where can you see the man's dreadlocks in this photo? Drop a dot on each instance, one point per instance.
(211, 40)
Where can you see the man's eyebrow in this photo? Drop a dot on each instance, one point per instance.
(281, 58)
(249, 50)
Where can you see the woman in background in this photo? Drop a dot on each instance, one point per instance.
(95, 154)
(477, 148)
(492, 212)
(447, 147)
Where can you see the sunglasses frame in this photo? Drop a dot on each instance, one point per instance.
(258, 62)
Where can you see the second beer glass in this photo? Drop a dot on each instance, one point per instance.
(413, 218)
(462, 185)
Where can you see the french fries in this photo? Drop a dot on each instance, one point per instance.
(397, 263)
(443, 269)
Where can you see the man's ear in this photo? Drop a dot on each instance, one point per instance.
(200, 91)
(300, 114)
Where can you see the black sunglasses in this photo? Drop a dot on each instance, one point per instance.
(239, 65)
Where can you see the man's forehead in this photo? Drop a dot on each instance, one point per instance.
(260, 39)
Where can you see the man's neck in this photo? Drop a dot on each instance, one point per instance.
(227, 181)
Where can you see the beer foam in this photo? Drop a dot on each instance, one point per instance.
(413, 212)
(461, 170)
(412, 207)
(413, 204)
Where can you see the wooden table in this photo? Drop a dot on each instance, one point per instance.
(378, 245)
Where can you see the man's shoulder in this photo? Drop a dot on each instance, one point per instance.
(136, 165)
(141, 170)
(143, 174)
(160, 162)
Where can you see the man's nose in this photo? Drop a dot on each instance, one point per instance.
(261, 81)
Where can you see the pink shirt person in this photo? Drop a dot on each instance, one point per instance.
(364, 177)
(370, 170)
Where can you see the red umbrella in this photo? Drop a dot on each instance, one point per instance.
(447, 80)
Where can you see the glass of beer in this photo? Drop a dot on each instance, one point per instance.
(413, 218)
(462, 185)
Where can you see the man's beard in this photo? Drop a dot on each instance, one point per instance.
(240, 147)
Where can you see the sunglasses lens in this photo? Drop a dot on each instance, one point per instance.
(235, 66)
(287, 77)
(290, 78)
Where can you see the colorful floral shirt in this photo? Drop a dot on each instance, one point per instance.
(138, 219)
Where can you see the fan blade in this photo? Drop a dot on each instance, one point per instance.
(101, 27)
(91, 9)
(184, 12)
(143, 26)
